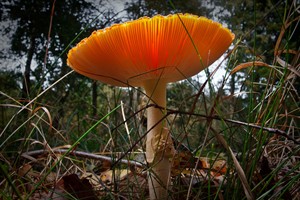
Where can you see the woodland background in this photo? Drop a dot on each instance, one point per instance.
(249, 98)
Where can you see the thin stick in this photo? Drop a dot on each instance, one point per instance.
(81, 154)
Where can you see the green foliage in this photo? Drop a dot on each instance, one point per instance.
(140, 8)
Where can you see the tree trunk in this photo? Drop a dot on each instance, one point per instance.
(60, 113)
(62, 95)
(94, 97)
(232, 91)
(26, 81)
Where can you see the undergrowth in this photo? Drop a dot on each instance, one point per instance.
(240, 145)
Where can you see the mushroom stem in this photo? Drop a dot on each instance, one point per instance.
(159, 146)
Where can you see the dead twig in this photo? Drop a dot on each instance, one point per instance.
(215, 117)
(81, 154)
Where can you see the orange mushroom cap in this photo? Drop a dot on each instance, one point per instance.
(171, 48)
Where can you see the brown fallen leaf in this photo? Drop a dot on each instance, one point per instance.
(79, 188)
(120, 174)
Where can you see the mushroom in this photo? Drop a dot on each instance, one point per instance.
(150, 53)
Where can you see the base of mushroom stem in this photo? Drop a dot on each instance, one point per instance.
(159, 179)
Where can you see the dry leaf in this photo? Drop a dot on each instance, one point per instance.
(78, 188)
(23, 170)
(120, 174)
